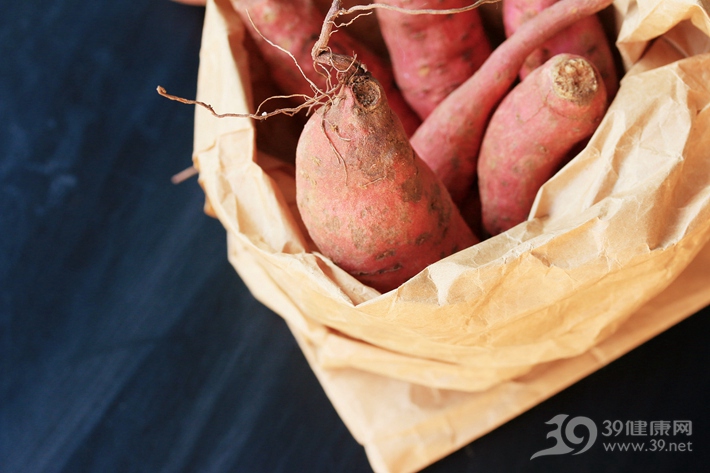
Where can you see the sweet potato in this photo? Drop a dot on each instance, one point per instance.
(532, 131)
(585, 38)
(432, 54)
(449, 138)
(294, 25)
(368, 201)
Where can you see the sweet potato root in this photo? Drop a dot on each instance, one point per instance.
(432, 54)
(449, 139)
(262, 88)
(294, 25)
(532, 131)
(585, 38)
(365, 30)
(367, 199)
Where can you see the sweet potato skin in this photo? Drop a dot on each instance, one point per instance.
(295, 25)
(432, 54)
(585, 38)
(368, 201)
(531, 133)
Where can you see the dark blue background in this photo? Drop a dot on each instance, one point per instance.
(129, 344)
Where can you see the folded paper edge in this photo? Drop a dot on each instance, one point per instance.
(684, 297)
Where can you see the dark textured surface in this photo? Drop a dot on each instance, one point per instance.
(128, 343)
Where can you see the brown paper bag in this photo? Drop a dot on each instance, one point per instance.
(487, 333)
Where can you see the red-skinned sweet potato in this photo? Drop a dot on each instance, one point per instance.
(449, 138)
(531, 133)
(432, 54)
(368, 201)
(295, 25)
(585, 38)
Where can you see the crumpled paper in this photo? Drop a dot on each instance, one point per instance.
(487, 333)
